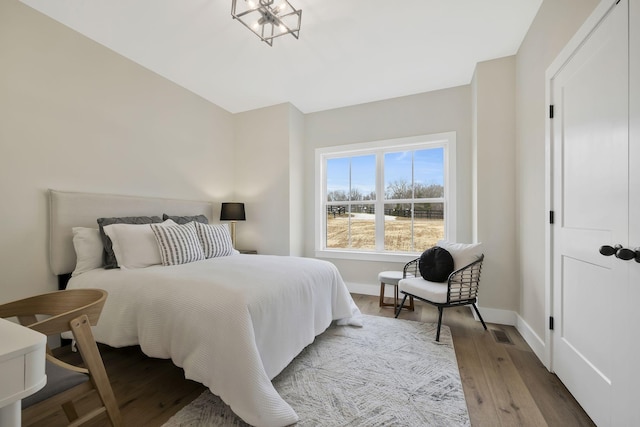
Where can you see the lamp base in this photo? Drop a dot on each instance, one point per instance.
(233, 234)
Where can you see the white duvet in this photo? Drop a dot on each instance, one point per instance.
(232, 323)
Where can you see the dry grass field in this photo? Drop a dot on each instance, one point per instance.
(427, 232)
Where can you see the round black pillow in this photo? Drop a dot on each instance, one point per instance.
(436, 264)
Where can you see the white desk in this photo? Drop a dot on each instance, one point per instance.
(22, 361)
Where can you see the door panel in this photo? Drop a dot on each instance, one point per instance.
(590, 197)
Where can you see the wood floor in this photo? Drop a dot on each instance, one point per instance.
(504, 383)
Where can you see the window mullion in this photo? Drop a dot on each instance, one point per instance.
(380, 201)
(413, 198)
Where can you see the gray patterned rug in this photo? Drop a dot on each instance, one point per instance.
(391, 372)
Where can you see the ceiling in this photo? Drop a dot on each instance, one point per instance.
(349, 52)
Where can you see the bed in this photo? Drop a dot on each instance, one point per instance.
(231, 322)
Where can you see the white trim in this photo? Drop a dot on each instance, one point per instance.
(533, 340)
(447, 140)
(496, 315)
(364, 288)
(367, 256)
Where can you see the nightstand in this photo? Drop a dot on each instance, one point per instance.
(248, 251)
(22, 361)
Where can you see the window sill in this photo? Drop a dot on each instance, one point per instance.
(367, 256)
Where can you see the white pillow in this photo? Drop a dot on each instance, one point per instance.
(215, 239)
(178, 244)
(463, 254)
(88, 245)
(134, 245)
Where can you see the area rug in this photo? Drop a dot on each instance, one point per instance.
(390, 372)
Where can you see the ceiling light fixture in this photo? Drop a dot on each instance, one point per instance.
(268, 19)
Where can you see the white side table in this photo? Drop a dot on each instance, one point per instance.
(22, 362)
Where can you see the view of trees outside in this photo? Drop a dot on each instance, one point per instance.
(409, 225)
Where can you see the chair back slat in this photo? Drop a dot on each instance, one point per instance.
(463, 284)
(61, 306)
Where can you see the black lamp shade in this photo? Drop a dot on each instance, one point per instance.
(232, 212)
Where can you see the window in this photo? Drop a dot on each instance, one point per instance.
(386, 198)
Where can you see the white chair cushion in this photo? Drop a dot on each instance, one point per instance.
(431, 291)
(463, 254)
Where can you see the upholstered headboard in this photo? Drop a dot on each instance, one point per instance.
(71, 209)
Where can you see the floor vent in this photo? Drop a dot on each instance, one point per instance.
(501, 336)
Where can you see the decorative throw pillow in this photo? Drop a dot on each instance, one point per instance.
(109, 257)
(134, 245)
(178, 244)
(215, 240)
(436, 264)
(178, 219)
(88, 245)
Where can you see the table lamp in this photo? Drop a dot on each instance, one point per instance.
(233, 212)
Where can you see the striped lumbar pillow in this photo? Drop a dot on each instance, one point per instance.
(215, 239)
(178, 244)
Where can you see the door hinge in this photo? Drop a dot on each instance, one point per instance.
(551, 217)
(551, 322)
(551, 111)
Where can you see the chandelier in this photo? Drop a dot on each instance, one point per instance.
(268, 19)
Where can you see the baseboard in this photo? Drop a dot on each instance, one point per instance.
(496, 315)
(490, 315)
(535, 342)
(368, 289)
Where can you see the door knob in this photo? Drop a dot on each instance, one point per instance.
(624, 254)
(607, 250)
(628, 254)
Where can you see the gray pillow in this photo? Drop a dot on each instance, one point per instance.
(109, 257)
(181, 219)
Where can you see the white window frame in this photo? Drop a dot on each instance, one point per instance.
(446, 140)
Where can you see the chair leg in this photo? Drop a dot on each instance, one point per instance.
(439, 323)
(381, 294)
(479, 316)
(70, 411)
(81, 330)
(400, 306)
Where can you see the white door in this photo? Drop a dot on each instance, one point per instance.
(628, 411)
(590, 140)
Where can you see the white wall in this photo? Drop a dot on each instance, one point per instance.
(268, 178)
(494, 194)
(296, 184)
(555, 23)
(76, 116)
(427, 113)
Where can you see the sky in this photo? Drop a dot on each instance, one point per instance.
(429, 169)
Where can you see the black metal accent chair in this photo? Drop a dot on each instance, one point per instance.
(461, 288)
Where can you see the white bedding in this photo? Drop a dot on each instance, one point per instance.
(232, 323)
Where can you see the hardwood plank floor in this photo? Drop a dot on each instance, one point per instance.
(504, 384)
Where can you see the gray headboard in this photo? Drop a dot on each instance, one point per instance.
(71, 209)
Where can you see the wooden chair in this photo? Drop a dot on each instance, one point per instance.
(461, 288)
(70, 310)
